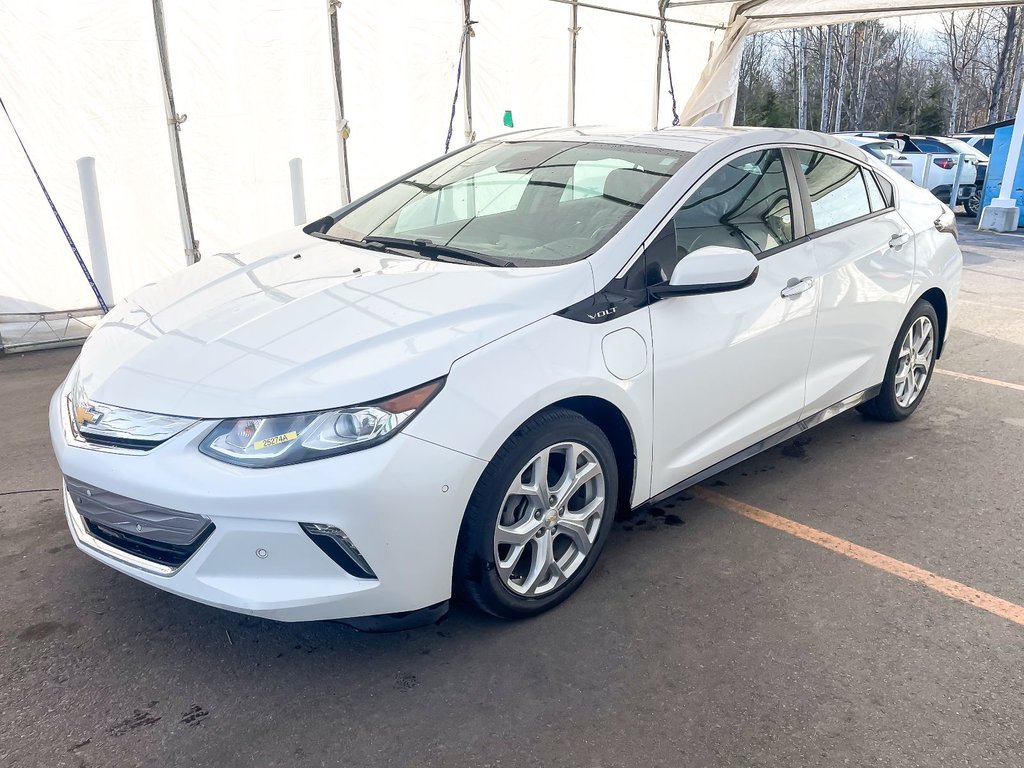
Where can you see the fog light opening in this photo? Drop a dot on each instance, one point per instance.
(336, 544)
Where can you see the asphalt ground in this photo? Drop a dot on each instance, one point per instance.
(705, 637)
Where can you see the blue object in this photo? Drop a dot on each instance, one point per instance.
(997, 169)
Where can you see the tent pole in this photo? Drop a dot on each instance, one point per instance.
(339, 104)
(574, 30)
(659, 35)
(467, 85)
(174, 121)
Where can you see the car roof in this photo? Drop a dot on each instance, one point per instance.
(683, 139)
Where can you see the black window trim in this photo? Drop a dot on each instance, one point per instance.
(794, 201)
(812, 231)
(800, 202)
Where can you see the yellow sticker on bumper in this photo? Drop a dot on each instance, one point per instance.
(259, 445)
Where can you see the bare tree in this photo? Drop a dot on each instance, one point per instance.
(961, 36)
(826, 80)
(801, 96)
(843, 62)
(865, 68)
(1005, 51)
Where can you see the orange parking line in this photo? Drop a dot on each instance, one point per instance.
(954, 589)
(982, 379)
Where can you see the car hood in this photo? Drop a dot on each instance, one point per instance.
(295, 324)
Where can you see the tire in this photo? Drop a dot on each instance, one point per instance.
(972, 204)
(894, 402)
(509, 580)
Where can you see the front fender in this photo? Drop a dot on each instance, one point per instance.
(493, 390)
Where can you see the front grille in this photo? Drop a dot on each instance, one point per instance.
(157, 534)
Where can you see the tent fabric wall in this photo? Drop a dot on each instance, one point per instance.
(254, 79)
(82, 77)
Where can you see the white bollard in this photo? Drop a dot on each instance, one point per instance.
(99, 261)
(954, 192)
(298, 191)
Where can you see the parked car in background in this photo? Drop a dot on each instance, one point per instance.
(980, 141)
(938, 174)
(885, 151)
(972, 205)
(454, 382)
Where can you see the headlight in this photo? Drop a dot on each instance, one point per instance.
(273, 441)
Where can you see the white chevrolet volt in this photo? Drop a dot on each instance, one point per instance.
(452, 384)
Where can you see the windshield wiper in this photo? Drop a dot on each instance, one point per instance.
(433, 250)
(371, 245)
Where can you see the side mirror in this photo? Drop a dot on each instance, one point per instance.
(711, 269)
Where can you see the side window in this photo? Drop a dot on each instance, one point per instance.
(744, 204)
(875, 197)
(931, 145)
(836, 189)
(985, 145)
(888, 193)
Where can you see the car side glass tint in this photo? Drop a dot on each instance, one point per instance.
(743, 204)
(835, 187)
(875, 197)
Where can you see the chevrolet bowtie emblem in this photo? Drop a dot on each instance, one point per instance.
(85, 415)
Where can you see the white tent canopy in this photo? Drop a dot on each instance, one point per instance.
(255, 86)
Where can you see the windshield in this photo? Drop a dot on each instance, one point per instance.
(529, 203)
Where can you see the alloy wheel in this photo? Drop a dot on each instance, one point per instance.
(549, 519)
(914, 363)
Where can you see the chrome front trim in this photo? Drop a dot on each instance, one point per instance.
(112, 426)
(119, 430)
(86, 539)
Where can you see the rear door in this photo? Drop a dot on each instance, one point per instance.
(863, 254)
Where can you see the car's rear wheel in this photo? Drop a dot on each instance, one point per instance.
(910, 366)
(972, 204)
(539, 517)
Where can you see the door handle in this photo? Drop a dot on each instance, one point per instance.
(796, 286)
(899, 239)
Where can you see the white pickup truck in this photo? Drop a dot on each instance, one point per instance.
(934, 164)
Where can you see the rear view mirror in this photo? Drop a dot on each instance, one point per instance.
(711, 269)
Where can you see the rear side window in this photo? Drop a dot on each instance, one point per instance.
(836, 188)
(984, 145)
(888, 193)
(875, 197)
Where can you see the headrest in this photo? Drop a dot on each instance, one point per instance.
(628, 185)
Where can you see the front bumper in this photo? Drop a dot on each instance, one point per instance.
(400, 503)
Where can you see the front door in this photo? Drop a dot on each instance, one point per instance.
(730, 368)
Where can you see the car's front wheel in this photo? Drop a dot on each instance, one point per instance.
(539, 517)
(910, 366)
